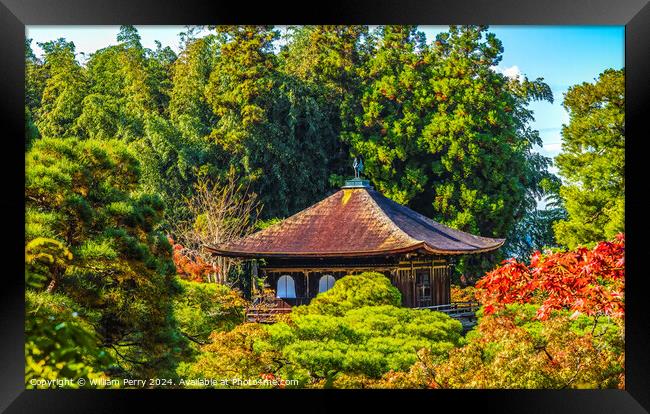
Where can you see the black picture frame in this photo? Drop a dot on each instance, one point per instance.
(16, 14)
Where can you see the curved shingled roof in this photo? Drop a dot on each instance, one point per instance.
(355, 222)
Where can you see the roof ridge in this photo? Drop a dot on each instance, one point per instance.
(386, 217)
(425, 218)
(435, 224)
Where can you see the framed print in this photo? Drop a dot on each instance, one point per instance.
(420, 204)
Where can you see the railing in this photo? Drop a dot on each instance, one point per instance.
(266, 310)
(456, 310)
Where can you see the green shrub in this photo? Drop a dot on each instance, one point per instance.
(203, 308)
(353, 291)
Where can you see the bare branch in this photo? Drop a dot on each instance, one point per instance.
(221, 211)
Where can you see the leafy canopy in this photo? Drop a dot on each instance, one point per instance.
(84, 195)
(583, 281)
(513, 349)
(204, 308)
(357, 328)
(444, 133)
(350, 292)
(59, 344)
(592, 162)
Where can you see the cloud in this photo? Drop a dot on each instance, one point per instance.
(513, 72)
(553, 147)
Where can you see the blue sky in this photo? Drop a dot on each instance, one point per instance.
(562, 55)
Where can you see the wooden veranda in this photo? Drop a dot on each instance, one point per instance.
(267, 312)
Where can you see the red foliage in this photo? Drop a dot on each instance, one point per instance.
(192, 268)
(271, 377)
(584, 281)
(268, 377)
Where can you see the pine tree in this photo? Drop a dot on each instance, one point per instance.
(64, 89)
(119, 279)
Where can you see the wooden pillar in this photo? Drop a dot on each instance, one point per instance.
(265, 276)
(448, 282)
(433, 284)
(394, 274)
(415, 296)
(254, 277)
(307, 284)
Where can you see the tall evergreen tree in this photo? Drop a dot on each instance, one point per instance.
(159, 66)
(189, 109)
(327, 59)
(268, 125)
(35, 77)
(34, 85)
(592, 161)
(118, 275)
(392, 116)
(444, 133)
(64, 89)
(120, 95)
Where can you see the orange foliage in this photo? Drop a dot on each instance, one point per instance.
(463, 294)
(583, 281)
(188, 267)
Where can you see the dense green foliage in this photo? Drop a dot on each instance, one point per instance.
(59, 345)
(441, 131)
(355, 329)
(83, 194)
(358, 328)
(593, 161)
(204, 308)
(118, 141)
(268, 123)
(326, 59)
(369, 341)
(365, 289)
(63, 90)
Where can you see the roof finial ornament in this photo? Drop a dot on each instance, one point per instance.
(357, 181)
(358, 167)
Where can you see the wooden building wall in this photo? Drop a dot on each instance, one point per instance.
(403, 274)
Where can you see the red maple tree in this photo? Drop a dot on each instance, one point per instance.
(187, 266)
(588, 281)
